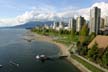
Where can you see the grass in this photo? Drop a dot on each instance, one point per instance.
(86, 64)
(62, 38)
(65, 39)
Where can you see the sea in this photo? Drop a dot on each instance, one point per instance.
(18, 55)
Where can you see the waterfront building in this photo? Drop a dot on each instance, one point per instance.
(106, 22)
(95, 15)
(72, 24)
(101, 23)
(61, 25)
(46, 26)
(79, 23)
(51, 26)
(66, 28)
(54, 25)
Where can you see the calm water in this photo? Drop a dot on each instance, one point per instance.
(14, 49)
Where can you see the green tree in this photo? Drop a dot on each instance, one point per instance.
(84, 30)
(83, 34)
(105, 57)
(92, 36)
(72, 34)
(93, 53)
(83, 51)
(61, 31)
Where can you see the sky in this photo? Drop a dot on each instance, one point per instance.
(15, 12)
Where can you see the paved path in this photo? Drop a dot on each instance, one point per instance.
(81, 67)
(96, 65)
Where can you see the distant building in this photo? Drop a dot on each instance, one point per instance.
(58, 25)
(51, 26)
(79, 23)
(106, 22)
(46, 26)
(66, 28)
(72, 24)
(95, 15)
(54, 25)
(101, 23)
(61, 25)
(106, 25)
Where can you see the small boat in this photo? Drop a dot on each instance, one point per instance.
(1, 66)
(44, 58)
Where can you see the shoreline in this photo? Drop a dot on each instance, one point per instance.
(63, 49)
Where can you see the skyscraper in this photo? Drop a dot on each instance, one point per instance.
(95, 15)
(54, 25)
(72, 24)
(61, 25)
(106, 21)
(79, 23)
(101, 23)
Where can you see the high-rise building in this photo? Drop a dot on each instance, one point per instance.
(95, 15)
(54, 25)
(101, 23)
(79, 23)
(46, 26)
(106, 21)
(72, 24)
(61, 25)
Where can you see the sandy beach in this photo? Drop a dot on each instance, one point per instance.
(63, 48)
(34, 36)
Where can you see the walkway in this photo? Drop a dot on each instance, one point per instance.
(74, 62)
(96, 65)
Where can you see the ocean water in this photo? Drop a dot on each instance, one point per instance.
(15, 50)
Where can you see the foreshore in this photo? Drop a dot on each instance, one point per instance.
(63, 49)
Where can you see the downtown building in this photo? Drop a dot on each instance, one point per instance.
(54, 26)
(80, 21)
(61, 25)
(106, 25)
(58, 25)
(106, 21)
(95, 16)
(72, 24)
(102, 26)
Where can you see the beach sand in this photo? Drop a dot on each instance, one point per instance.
(49, 39)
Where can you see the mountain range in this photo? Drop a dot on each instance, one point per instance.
(31, 24)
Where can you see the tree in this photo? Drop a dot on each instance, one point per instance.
(72, 34)
(61, 31)
(83, 34)
(93, 53)
(92, 36)
(84, 30)
(105, 57)
(83, 51)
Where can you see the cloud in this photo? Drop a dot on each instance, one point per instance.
(85, 12)
(103, 6)
(50, 13)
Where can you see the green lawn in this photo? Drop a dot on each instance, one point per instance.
(86, 64)
(62, 38)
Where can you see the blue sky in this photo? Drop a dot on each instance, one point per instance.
(12, 8)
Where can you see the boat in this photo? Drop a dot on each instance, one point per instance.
(1, 66)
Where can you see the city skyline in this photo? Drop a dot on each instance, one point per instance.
(17, 12)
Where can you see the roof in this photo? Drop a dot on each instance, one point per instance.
(102, 42)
